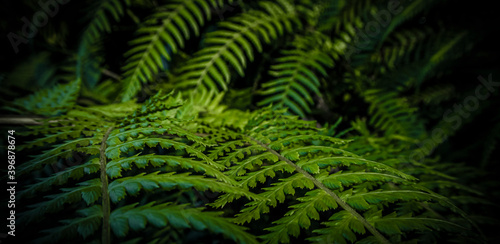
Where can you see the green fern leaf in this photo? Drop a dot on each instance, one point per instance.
(393, 115)
(85, 226)
(177, 20)
(231, 47)
(50, 102)
(295, 78)
(178, 216)
(61, 178)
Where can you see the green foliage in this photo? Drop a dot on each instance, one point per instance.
(163, 33)
(296, 80)
(49, 102)
(231, 46)
(152, 127)
(287, 121)
(273, 144)
(143, 151)
(100, 18)
(393, 115)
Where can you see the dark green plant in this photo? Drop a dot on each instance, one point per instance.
(155, 153)
(292, 121)
(159, 153)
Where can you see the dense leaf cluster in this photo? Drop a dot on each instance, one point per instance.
(285, 121)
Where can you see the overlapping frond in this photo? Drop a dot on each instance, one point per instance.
(406, 11)
(152, 142)
(102, 14)
(234, 44)
(162, 35)
(100, 20)
(49, 102)
(392, 114)
(178, 216)
(306, 161)
(296, 81)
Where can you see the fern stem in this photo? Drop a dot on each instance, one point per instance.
(320, 185)
(111, 74)
(106, 208)
(20, 121)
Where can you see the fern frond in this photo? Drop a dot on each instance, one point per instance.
(393, 115)
(61, 178)
(231, 46)
(423, 58)
(69, 134)
(151, 167)
(300, 216)
(295, 78)
(340, 180)
(362, 200)
(139, 130)
(409, 11)
(50, 102)
(80, 140)
(179, 216)
(88, 63)
(343, 225)
(115, 167)
(100, 20)
(328, 14)
(85, 226)
(392, 224)
(43, 160)
(114, 152)
(338, 161)
(434, 94)
(266, 171)
(151, 130)
(399, 46)
(443, 184)
(132, 185)
(88, 191)
(258, 155)
(158, 41)
(270, 198)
